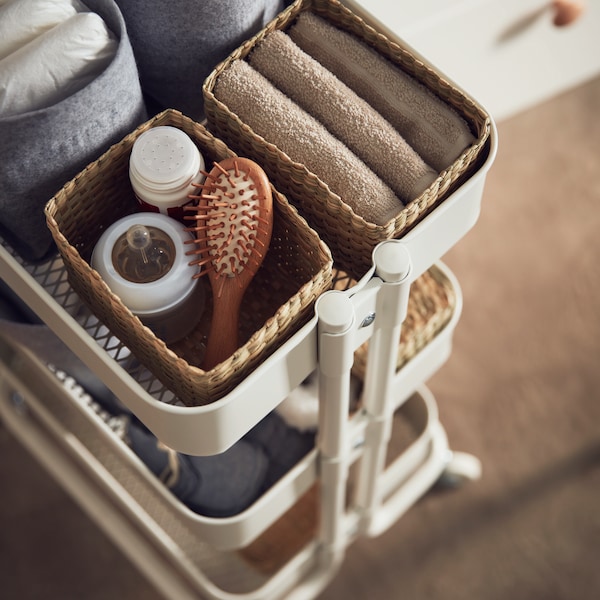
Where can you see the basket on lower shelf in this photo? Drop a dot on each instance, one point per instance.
(431, 304)
(296, 270)
(350, 237)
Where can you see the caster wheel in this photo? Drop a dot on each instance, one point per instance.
(460, 469)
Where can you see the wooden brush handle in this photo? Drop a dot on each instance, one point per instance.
(223, 339)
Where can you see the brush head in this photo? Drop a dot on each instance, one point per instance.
(233, 219)
(232, 222)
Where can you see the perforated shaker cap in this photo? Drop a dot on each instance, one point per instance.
(164, 157)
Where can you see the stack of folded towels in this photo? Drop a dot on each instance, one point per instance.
(376, 136)
(48, 51)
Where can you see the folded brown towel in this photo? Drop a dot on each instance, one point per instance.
(345, 114)
(432, 127)
(280, 121)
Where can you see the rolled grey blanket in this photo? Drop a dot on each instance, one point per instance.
(43, 149)
(432, 127)
(177, 44)
(347, 116)
(279, 120)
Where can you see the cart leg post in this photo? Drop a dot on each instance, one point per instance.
(336, 354)
(392, 266)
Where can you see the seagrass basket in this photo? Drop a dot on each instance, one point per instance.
(349, 236)
(431, 304)
(296, 270)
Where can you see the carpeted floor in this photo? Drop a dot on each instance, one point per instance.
(521, 391)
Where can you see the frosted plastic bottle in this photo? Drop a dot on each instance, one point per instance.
(163, 166)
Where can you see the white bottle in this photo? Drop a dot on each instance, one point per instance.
(163, 167)
(142, 258)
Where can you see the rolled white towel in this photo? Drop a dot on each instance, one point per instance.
(56, 64)
(21, 21)
(301, 408)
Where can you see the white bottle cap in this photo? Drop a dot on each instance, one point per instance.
(164, 156)
(163, 164)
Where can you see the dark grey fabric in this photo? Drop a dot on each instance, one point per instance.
(41, 150)
(284, 446)
(178, 43)
(215, 486)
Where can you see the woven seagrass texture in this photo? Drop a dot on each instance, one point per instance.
(350, 237)
(431, 304)
(296, 270)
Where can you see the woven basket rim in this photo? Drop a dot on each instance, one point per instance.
(279, 325)
(416, 204)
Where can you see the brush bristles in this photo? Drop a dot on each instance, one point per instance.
(230, 221)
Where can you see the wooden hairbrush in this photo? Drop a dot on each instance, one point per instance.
(233, 225)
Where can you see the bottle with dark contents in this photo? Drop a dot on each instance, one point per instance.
(142, 258)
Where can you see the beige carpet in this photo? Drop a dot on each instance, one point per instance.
(522, 388)
(521, 391)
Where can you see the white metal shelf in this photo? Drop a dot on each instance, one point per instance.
(185, 551)
(133, 508)
(212, 428)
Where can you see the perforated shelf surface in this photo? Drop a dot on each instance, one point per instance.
(51, 275)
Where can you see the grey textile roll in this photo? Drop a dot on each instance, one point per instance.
(216, 486)
(177, 44)
(432, 127)
(41, 150)
(283, 445)
(279, 120)
(347, 116)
